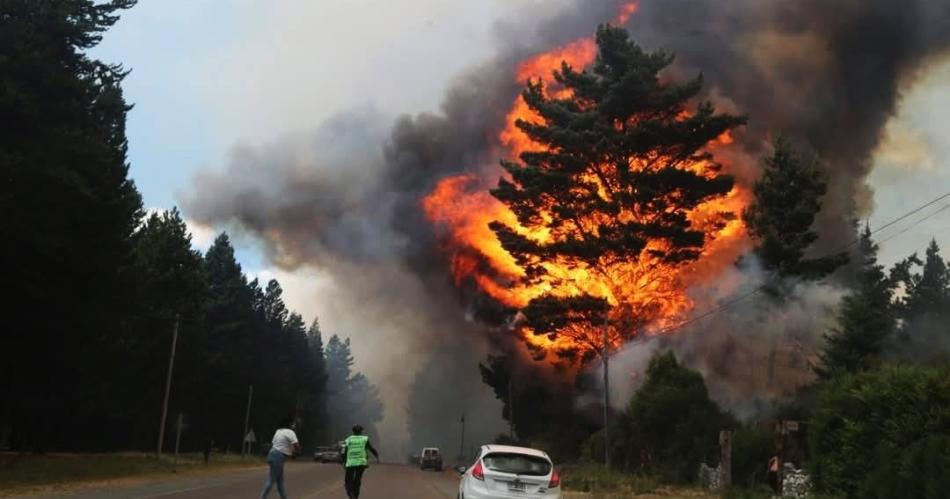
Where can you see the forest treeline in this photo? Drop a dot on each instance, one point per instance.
(97, 285)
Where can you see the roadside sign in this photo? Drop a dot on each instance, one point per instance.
(250, 438)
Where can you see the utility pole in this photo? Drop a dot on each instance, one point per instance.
(606, 354)
(462, 441)
(247, 420)
(168, 387)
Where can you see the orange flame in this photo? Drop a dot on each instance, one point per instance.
(463, 206)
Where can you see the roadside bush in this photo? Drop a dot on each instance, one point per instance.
(670, 426)
(752, 446)
(746, 493)
(593, 449)
(883, 433)
(922, 470)
(595, 478)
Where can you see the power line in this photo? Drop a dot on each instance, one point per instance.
(902, 217)
(758, 289)
(911, 226)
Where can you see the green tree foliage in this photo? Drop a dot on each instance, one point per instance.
(925, 304)
(613, 185)
(230, 352)
(171, 287)
(351, 398)
(866, 320)
(787, 198)
(752, 446)
(671, 425)
(545, 413)
(882, 433)
(314, 411)
(88, 332)
(69, 214)
(916, 472)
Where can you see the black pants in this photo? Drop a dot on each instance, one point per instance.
(353, 480)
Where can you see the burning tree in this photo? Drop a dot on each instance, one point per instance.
(617, 194)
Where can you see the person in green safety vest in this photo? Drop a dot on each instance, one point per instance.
(355, 460)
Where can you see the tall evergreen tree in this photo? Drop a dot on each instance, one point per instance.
(229, 349)
(315, 410)
(925, 305)
(351, 398)
(620, 165)
(866, 319)
(70, 211)
(339, 360)
(172, 288)
(787, 198)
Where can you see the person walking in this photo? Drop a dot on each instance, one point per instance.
(284, 445)
(355, 461)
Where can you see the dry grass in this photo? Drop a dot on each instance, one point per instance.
(591, 481)
(26, 473)
(660, 493)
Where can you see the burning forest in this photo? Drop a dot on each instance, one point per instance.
(648, 242)
(594, 179)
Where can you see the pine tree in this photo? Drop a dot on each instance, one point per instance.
(367, 407)
(273, 308)
(172, 289)
(351, 398)
(671, 423)
(339, 362)
(315, 412)
(925, 306)
(866, 320)
(621, 165)
(787, 198)
(70, 211)
(229, 349)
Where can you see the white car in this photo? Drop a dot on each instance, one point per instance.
(505, 472)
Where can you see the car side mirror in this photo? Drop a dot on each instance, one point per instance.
(461, 469)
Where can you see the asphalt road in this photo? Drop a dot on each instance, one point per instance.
(304, 480)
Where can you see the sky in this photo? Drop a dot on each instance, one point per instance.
(208, 76)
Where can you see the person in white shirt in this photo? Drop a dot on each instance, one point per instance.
(283, 445)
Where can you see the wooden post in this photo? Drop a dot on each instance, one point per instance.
(725, 459)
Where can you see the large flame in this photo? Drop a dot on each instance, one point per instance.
(656, 293)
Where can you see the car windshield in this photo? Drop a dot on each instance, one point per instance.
(519, 464)
(431, 453)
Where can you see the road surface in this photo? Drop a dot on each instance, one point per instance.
(304, 480)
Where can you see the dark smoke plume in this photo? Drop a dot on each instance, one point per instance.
(346, 198)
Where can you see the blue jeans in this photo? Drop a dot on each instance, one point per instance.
(276, 460)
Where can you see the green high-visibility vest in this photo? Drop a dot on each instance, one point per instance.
(356, 450)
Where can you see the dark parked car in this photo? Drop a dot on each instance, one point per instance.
(431, 459)
(331, 454)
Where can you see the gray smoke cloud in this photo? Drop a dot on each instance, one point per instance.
(345, 198)
(754, 354)
(826, 74)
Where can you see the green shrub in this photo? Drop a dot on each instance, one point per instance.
(596, 478)
(747, 493)
(922, 470)
(883, 433)
(752, 446)
(671, 425)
